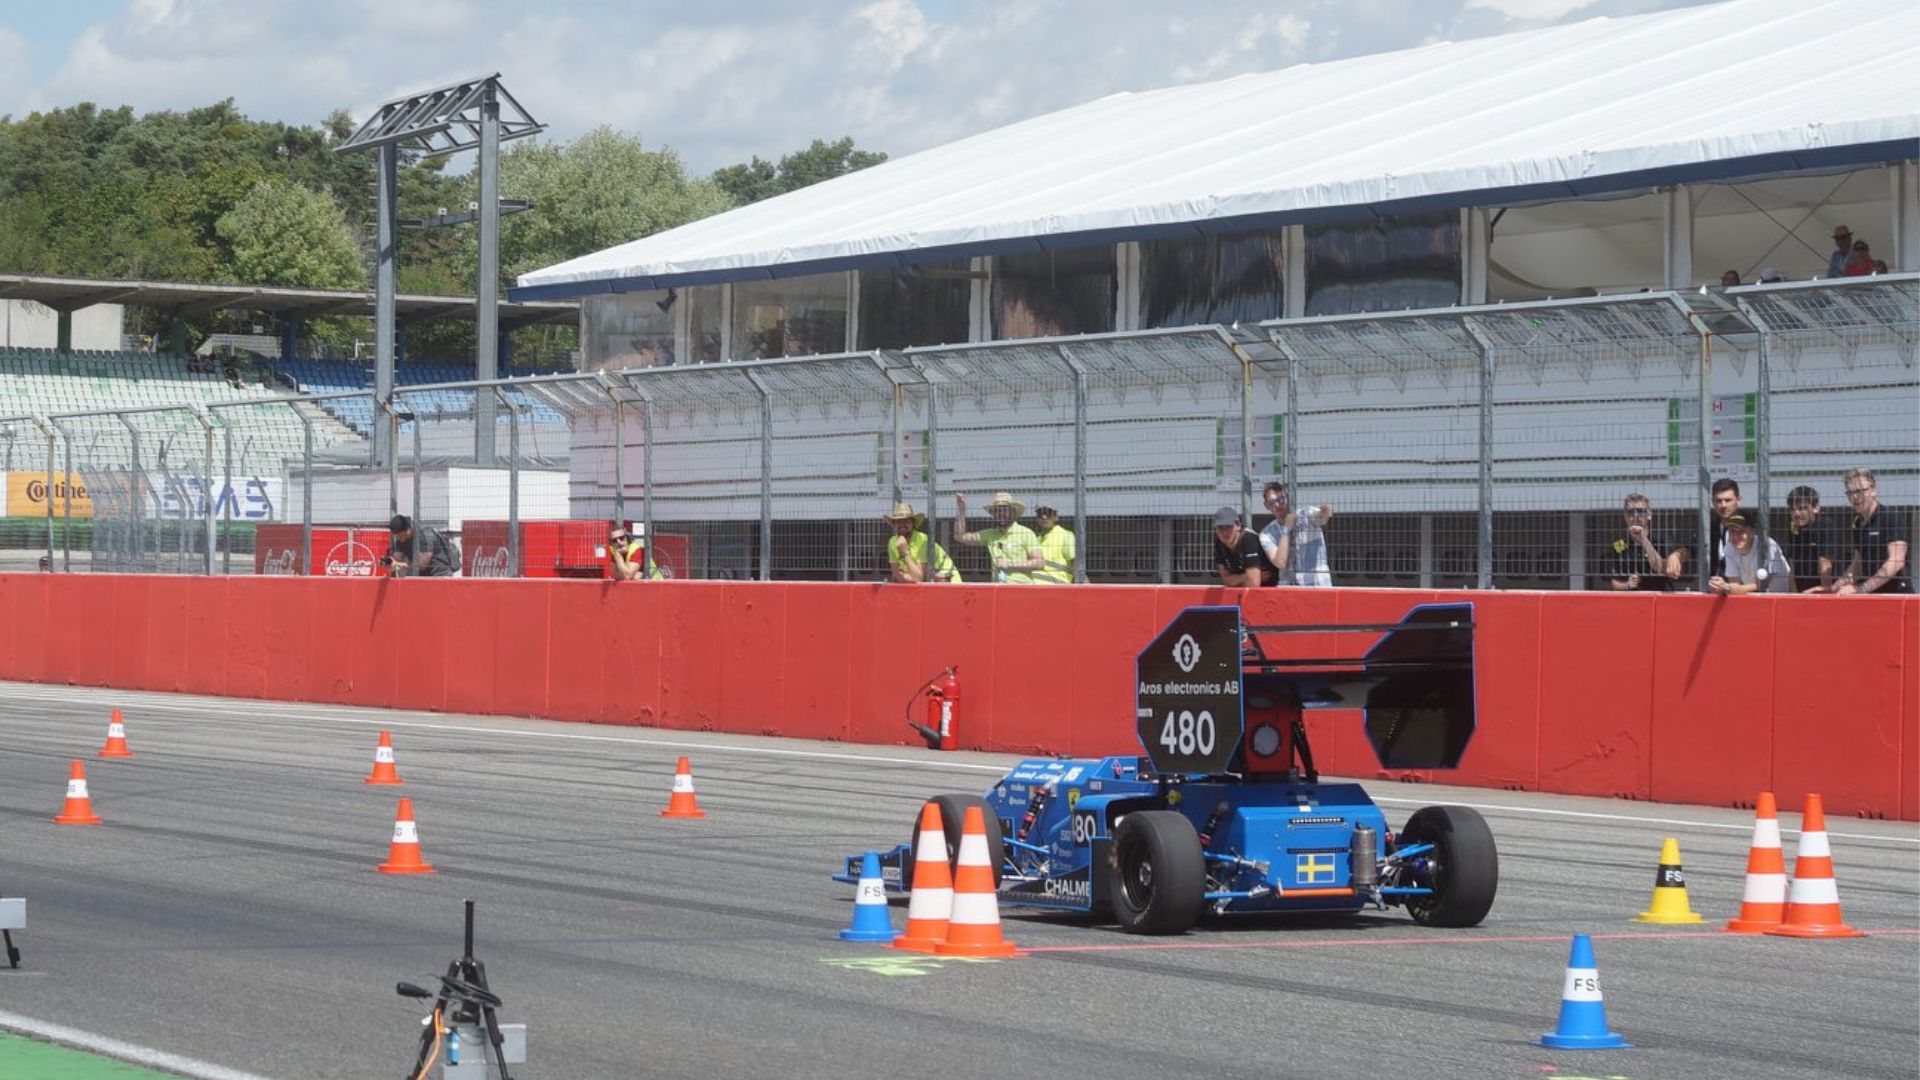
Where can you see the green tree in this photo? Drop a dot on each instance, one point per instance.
(761, 179)
(282, 234)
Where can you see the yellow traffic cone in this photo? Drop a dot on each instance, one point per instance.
(1670, 904)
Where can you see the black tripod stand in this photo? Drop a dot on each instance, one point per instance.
(464, 1000)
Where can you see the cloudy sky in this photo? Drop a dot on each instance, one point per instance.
(718, 81)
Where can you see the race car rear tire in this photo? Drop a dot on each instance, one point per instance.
(953, 818)
(1465, 865)
(1158, 877)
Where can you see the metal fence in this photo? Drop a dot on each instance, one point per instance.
(1472, 447)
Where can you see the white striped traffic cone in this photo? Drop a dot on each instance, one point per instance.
(974, 928)
(1813, 902)
(1764, 899)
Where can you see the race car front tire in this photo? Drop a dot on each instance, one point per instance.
(953, 818)
(1158, 877)
(1465, 865)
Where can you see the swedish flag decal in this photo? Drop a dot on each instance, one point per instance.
(1314, 869)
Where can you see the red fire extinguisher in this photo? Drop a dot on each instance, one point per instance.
(942, 692)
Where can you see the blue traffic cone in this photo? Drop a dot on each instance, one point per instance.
(870, 919)
(1583, 1016)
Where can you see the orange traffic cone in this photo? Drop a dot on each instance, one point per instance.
(116, 738)
(1764, 899)
(403, 857)
(79, 808)
(931, 902)
(1813, 903)
(974, 928)
(683, 804)
(383, 770)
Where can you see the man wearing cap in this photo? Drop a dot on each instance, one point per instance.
(1012, 547)
(1747, 565)
(907, 549)
(421, 552)
(1236, 552)
(1842, 249)
(1056, 548)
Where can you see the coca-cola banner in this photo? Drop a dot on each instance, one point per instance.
(335, 552)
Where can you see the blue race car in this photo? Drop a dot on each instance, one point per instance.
(1225, 812)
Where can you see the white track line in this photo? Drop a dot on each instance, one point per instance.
(114, 1048)
(251, 710)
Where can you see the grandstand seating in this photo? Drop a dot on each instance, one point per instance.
(48, 383)
(336, 377)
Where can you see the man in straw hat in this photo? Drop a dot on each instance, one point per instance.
(907, 549)
(1013, 548)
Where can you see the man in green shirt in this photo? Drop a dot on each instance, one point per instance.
(1056, 547)
(1012, 548)
(907, 550)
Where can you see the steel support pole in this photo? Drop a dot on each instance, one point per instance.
(620, 462)
(1080, 522)
(899, 393)
(1762, 420)
(646, 482)
(212, 501)
(513, 484)
(1483, 549)
(66, 496)
(487, 294)
(387, 174)
(766, 477)
(392, 428)
(933, 463)
(413, 552)
(1704, 562)
(306, 491)
(52, 441)
(136, 543)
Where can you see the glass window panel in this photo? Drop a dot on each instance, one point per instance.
(1405, 261)
(627, 330)
(906, 306)
(1047, 293)
(802, 316)
(1234, 277)
(703, 322)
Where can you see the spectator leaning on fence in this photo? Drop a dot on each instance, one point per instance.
(1879, 541)
(1811, 545)
(907, 550)
(437, 557)
(1726, 503)
(1236, 552)
(1752, 565)
(1011, 546)
(1056, 548)
(629, 557)
(1643, 562)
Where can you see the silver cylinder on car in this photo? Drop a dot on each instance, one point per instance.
(1363, 867)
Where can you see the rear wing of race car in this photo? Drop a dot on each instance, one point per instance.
(1414, 686)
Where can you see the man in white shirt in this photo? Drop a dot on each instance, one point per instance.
(1296, 541)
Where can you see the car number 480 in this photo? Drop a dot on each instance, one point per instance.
(1185, 733)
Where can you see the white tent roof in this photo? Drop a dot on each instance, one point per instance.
(1742, 88)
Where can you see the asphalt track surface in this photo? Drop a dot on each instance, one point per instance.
(229, 913)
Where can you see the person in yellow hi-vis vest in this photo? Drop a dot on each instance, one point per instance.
(1011, 547)
(907, 550)
(1056, 547)
(628, 558)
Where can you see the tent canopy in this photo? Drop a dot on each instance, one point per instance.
(1736, 89)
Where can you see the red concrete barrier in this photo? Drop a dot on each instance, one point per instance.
(1677, 698)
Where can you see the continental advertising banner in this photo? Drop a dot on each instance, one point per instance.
(27, 495)
(161, 495)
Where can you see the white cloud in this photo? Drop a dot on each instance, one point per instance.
(1531, 10)
(723, 81)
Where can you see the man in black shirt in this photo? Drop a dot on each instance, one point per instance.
(1879, 539)
(1642, 561)
(1236, 552)
(1726, 503)
(1812, 546)
(436, 556)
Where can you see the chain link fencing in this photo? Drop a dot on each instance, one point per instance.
(1476, 447)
